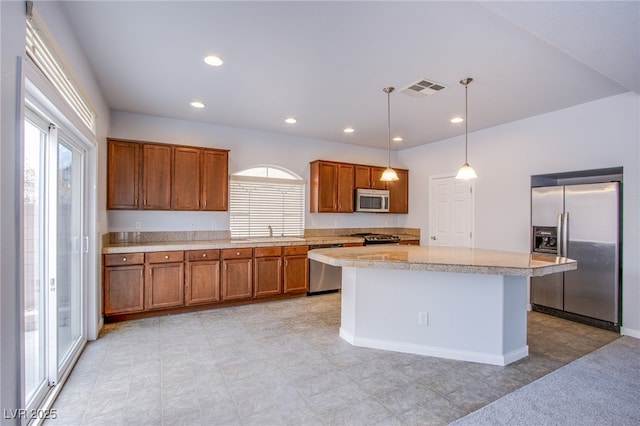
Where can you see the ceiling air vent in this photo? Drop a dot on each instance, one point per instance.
(423, 87)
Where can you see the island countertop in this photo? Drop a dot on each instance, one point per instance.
(445, 259)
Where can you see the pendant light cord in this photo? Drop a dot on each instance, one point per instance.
(388, 91)
(389, 126)
(466, 121)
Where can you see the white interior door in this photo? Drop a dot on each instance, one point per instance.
(450, 212)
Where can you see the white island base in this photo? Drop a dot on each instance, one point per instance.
(463, 316)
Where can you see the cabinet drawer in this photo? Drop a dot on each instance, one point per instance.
(195, 255)
(293, 250)
(237, 253)
(165, 256)
(123, 259)
(267, 251)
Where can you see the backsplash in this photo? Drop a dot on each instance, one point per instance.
(161, 236)
(331, 232)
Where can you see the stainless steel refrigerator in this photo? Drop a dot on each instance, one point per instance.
(581, 222)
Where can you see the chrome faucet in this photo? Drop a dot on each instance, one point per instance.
(270, 231)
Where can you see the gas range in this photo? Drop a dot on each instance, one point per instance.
(371, 238)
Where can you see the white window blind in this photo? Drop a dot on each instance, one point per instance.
(43, 57)
(263, 206)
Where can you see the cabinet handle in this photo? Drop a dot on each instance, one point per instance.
(238, 254)
(166, 257)
(124, 259)
(204, 254)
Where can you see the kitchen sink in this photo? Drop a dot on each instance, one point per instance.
(267, 240)
(274, 239)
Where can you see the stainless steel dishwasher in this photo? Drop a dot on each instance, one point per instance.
(324, 278)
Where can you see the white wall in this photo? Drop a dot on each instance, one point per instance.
(247, 148)
(12, 36)
(600, 134)
(75, 63)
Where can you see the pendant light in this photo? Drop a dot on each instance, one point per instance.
(466, 171)
(389, 175)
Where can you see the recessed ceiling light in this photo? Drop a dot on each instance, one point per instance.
(291, 120)
(349, 130)
(457, 120)
(214, 61)
(398, 139)
(197, 104)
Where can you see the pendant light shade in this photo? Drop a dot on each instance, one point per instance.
(466, 171)
(389, 175)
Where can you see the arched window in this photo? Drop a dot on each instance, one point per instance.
(266, 201)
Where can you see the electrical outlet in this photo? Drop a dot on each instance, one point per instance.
(138, 225)
(423, 318)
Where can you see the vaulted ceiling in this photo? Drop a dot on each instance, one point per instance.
(326, 63)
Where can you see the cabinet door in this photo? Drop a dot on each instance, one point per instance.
(324, 191)
(296, 274)
(376, 174)
(202, 284)
(399, 193)
(237, 277)
(185, 182)
(156, 176)
(123, 289)
(215, 180)
(123, 174)
(362, 177)
(345, 188)
(267, 279)
(164, 285)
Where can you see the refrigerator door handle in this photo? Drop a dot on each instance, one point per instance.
(565, 234)
(559, 234)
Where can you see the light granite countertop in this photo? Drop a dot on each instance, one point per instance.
(444, 259)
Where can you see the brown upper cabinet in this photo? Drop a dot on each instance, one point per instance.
(155, 176)
(123, 174)
(185, 182)
(215, 180)
(332, 186)
(369, 177)
(399, 193)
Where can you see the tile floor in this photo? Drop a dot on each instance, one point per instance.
(282, 363)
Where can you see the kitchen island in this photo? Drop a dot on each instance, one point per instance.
(457, 303)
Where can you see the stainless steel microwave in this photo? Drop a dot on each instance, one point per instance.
(372, 200)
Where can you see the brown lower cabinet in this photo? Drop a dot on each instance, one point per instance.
(237, 273)
(154, 283)
(164, 281)
(296, 270)
(123, 283)
(267, 272)
(202, 277)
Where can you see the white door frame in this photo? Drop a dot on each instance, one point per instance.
(472, 212)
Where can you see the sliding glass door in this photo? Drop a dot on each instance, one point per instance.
(53, 257)
(34, 262)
